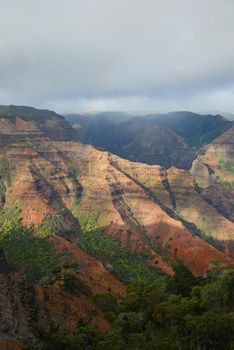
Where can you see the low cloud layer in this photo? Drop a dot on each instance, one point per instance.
(133, 55)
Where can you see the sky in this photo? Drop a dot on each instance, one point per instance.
(129, 55)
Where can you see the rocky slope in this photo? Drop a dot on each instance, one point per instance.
(164, 214)
(24, 305)
(214, 173)
(47, 176)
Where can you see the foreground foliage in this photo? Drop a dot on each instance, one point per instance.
(159, 313)
(153, 317)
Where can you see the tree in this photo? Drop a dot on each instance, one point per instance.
(182, 281)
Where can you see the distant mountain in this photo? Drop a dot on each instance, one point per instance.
(165, 139)
(153, 144)
(229, 116)
(113, 117)
(196, 129)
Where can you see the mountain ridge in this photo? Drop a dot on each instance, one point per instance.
(128, 138)
(107, 221)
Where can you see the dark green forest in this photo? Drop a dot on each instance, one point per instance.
(182, 312)
(178, 313)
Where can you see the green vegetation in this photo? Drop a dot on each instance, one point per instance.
(182, 281)
(88, 221)
(187, 314)
(2, 193)
(106, 301)
(227, 165)
(56, 338)
(5, 171)
(74, 285)
(26, 113)
(5, 178)
(127, 265)
(73, 168)
(35, 255)
(158, 313)
(52, 225)
(124, 263)
(11, 213)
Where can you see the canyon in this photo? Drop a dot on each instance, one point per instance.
(177, 205)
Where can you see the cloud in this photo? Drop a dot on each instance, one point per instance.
(76, 55)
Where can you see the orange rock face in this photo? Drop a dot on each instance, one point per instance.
(91, 271)
(157, 211)
(214, 175)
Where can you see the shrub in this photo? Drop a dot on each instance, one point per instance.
(106, 301)
(52, 225)
(73, 284)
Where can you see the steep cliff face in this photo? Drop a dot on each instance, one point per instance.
(181, 211)
(48, 176)
(223, 146)
(214, 173)
(165, 214)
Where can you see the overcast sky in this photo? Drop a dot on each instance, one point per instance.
(132, 55)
